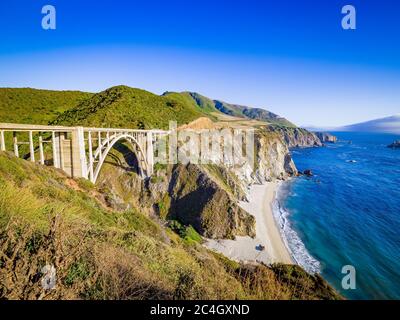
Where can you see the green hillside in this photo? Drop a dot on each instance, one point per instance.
(35, 106)
(210, 107)
(99, 253)
(127, 107)
(252, 113)
(119, 106)
(186, 98)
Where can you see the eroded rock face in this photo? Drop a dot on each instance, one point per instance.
(198, 200)
(204, 196)
(273, 158)
(272, 161)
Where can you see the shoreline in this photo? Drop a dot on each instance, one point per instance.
(246, 249)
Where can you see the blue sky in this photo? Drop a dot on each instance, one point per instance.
(291, 57)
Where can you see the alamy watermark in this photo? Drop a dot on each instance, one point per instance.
(349, 21)
(49, 278)
(230, 147)
(49, 21)
(349, 280)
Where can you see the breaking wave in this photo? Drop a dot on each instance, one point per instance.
(292, 240)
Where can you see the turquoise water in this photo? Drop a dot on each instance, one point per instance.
(347, 214)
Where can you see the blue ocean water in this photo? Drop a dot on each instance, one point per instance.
(348, 213)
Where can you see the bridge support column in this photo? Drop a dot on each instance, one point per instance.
(79, 165)
(15, 141)
(41, 151)
(56, 149)
(150, 153)
(2, 142)
(31, 147)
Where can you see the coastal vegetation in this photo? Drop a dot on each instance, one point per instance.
(126, 107)
(211, 107)
(33, 106)
(101, 253)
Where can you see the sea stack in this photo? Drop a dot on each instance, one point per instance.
(326, 137)
(395, 145)
(308, 173)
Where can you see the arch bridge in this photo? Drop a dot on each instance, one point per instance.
(78, 151)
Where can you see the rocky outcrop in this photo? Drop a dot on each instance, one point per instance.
(297, 137)
(198, 200)
(273, 158)
(192, 194)
(326, 137)
(394, 145)
(204, 196)
(308, 173)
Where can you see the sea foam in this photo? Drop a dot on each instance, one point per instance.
(290, 237)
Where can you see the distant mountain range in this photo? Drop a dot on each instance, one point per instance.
(384, 125)
(388, 124)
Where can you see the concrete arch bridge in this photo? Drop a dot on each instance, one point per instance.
(79, 151)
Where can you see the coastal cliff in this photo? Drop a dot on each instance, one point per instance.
(203, 196)
(297, 137)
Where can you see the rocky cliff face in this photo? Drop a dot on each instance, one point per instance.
(192, 194)
(326, 137)
(272, 161)
(200, 200)
(273, 158)
(204, 196)
(297, 137)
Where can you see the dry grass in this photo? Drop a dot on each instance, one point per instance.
(25, 251)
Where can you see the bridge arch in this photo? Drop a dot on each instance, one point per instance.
(101, 153)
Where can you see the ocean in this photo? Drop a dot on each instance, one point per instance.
(348, 213)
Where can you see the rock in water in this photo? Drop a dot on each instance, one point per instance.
(394, 145)
(308, 173)
(326, 137)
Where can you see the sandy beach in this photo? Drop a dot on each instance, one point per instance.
(267, 233)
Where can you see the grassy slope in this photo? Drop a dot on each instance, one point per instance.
(119, 106)
(210, 106)
(203, 102)
(34, 106)
(127, 107)
(47, 218)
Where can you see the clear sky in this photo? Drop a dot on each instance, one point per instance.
(290, 57)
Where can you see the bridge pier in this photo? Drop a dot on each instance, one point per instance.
(2, 141)
(79, 165)
(150, 153)
(56, 149)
